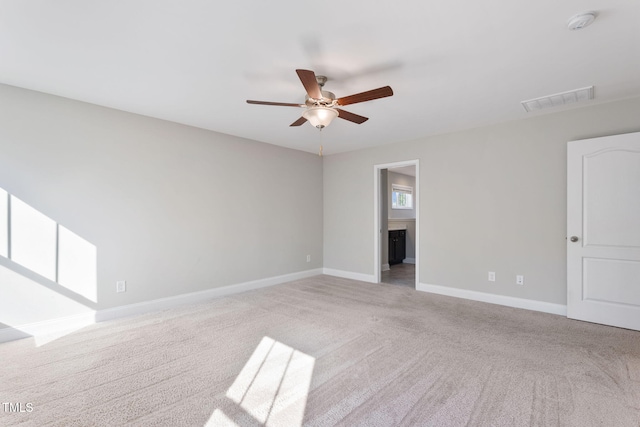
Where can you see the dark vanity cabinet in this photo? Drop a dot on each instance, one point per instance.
(397, 246)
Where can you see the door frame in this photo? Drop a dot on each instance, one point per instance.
(377, 249)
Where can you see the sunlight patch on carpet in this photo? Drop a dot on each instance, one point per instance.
(219, 418)
(273, 385)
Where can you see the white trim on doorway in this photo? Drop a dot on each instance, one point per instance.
(376, 214)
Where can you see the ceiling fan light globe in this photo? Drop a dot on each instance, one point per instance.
(320, 117)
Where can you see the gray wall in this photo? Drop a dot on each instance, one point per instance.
(173, 209)
(492, 198)
(170, 209)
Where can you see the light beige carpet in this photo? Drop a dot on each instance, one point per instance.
(326, 351)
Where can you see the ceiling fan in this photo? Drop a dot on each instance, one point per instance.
(321, 106)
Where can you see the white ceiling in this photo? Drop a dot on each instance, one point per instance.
(452, 64)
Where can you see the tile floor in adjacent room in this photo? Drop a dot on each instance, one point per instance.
(400, 274)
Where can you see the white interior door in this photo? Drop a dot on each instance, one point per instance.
(603, 227)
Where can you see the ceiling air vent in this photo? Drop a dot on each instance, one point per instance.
(558, 99)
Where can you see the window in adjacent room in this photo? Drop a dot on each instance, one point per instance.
(401, 197)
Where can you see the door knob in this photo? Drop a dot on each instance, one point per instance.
(574, 238)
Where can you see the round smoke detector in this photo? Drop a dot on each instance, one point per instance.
(581, 20)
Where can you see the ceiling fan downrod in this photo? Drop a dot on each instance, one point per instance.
(321, 81)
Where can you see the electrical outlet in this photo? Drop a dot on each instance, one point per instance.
(519, 280)
(308, 258)
(492, 276)
(121, 286)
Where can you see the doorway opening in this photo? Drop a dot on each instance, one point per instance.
(396, 223)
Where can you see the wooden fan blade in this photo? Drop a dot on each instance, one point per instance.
(351, 117)
(299, 122)
(381, 92)
(308, 79)
(279, 104)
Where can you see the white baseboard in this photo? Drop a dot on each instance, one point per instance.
(349, 275)
(409, 261)
(527, 304)
(55, 326)
(386, 267)
(12, 334)
(195, 297)
(75, 322)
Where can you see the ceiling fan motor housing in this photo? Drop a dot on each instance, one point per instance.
(328, 100)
